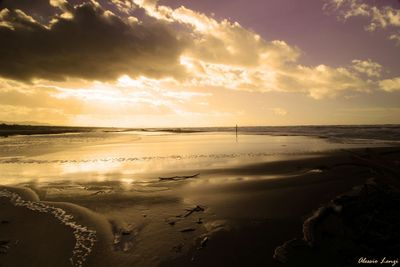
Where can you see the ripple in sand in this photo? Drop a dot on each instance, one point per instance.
(85, 238)
(21, 160)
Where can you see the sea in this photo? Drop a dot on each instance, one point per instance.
(143, 155)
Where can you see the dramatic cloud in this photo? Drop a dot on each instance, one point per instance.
(86, 61)
(224, 54)
(380, 17)
(91, 43)
(318, 82)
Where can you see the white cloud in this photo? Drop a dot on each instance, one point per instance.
(370, 68)
(124, 6)
(225, 54)
(322, 81)
(395, 37)
(390, 85)
(379, 17)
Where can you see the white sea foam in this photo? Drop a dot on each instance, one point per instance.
(85, 238)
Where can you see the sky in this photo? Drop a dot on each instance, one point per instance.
(183, 63)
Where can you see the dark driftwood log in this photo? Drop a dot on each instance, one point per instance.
(178, 178)
(195, 209)
(187, 230)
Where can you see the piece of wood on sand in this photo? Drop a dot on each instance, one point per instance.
(178, 178)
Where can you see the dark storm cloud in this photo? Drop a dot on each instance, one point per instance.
(95, 45)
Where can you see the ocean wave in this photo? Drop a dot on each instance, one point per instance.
(85, 238)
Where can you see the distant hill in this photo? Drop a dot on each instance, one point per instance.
(33, 123)
(20, 129)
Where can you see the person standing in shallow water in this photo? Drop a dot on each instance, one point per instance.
(236, 133)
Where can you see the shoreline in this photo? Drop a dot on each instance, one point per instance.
(54, 233)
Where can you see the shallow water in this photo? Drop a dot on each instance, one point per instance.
(137, 157)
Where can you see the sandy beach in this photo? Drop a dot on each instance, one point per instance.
(199, 133)
(234, 215)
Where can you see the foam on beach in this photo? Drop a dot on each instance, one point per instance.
(85, 238)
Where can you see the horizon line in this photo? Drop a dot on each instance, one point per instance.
(38, 124)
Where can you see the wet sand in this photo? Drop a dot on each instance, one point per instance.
(235, 216)
(33, 239)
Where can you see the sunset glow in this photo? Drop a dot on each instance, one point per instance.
(173, 63)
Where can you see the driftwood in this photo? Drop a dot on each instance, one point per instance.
(178, 178)
(186, 230)
(102, 192)
(195, 209)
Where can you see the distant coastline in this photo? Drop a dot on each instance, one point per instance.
(338, 133)
(16, 129)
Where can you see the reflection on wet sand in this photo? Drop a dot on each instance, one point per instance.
(116, 156)
(225, 191)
